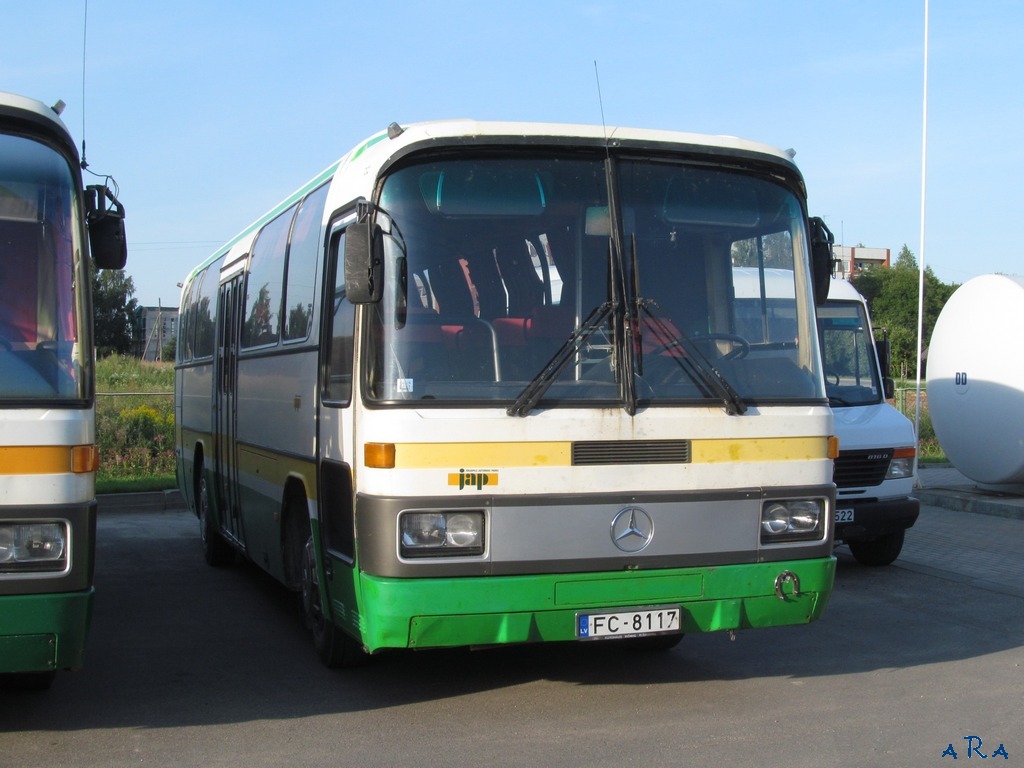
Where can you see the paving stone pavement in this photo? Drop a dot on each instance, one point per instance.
(966, 533)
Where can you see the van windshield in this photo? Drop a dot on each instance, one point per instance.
(851, 375)
(525, 279)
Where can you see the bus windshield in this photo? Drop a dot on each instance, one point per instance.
(41, 358)
(584, 280)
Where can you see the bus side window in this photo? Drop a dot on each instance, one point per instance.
(201, 324)
(265, 283)
(303, 253)
(338, 387)
(183, 348)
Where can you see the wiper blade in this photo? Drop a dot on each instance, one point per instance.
(535, 390)
(695, 364)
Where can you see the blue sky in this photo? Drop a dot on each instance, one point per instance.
(208, 113)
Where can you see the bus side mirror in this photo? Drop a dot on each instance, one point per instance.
(364, 267)
(821, 259)
(107, 239)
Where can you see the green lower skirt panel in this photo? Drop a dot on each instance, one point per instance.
(431, 613)
(43, 633)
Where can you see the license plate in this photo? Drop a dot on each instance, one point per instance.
(844, 515)
(628, 623)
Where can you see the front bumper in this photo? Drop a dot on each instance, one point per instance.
(873, 518)
(44, 633)
(518, 609)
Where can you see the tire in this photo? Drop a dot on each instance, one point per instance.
(335, 648)
(216, 551)
(30, 681)
(878, 552)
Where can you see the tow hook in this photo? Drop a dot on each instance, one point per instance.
(782, 579)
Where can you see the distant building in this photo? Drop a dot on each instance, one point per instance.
(159, 325)
(851, 260)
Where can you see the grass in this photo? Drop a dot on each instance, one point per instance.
(134, 425)
(928, 449)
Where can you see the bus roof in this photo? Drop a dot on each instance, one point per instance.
(35, 113)
(382, 148)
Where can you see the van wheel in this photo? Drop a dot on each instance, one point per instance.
(880, 551)
(216, 551)
(335, 648)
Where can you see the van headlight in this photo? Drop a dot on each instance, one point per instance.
(453, 533)
(792, 520)
(902, 463)
(33, 547)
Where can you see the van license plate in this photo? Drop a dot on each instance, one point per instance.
(629, 623)
(844, 515)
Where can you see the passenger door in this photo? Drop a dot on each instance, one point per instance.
(229, 308)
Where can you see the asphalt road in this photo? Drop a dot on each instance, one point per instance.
(193, 666)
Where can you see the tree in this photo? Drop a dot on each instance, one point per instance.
(892, 296)
(114, 311)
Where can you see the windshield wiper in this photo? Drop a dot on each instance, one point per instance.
(695, 363)
(535, 390)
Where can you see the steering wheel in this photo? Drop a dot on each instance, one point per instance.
(832, 378)
(741, 347)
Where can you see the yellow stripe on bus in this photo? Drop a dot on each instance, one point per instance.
(35, 459)
(759, 449)
(448, 455)
(559, 454)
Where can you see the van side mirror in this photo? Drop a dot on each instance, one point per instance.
(107, 239)
(364, 265)
(821, 258)
(884, 351)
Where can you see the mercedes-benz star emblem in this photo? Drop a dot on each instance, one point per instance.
(632, 529)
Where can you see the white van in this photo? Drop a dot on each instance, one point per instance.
(874, 473)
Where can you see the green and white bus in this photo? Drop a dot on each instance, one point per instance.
(480, 383)
(48, 452)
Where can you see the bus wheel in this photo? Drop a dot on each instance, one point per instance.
(334, 647)
(29, 681)
(216, 551)
(880, 551)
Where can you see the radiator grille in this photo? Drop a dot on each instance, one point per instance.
(861, 468)
(631, 452)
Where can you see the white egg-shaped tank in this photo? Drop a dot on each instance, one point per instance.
(976, 379)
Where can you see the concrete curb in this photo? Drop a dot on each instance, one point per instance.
(973, 499)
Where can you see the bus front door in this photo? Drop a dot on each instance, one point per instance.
(228, 311)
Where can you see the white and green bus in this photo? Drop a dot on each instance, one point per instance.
(48, 452)
(481, 383)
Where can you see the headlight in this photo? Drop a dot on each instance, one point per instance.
(33, 547)
(795, 520)
(902, 464)
(441, 534)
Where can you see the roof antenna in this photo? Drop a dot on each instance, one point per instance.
(600, 101)
(85, 31)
